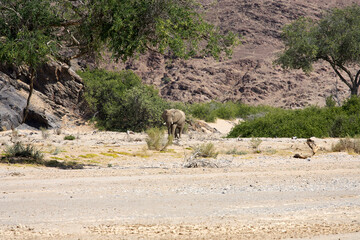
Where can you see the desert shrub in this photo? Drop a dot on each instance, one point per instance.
(251, 112)
(228, 110)
(234, 151)
(304, 123)
(344, 125)
(122, 102)
(204, 111)
(347, 145)
(27, 153)
(156, 139)
(103, 87)
(330, 101)
(69, 137)
(255, 144)
(202, 156)
(140, 109)
(206, 150)
(347, 119)
(352, 105)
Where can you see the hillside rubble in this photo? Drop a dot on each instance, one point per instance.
(250, 75)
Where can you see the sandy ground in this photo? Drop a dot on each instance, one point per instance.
(128, 192)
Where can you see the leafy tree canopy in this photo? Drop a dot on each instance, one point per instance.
(30, 31)
(335, 38)
(33, 31)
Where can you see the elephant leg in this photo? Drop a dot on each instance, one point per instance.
(177, 133)
(180, 130)
(173, 130)
(168, 125)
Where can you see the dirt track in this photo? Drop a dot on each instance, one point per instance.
(131, 193)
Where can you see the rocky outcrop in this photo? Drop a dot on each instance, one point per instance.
(12, 103)
(61, 85)
(13, 94)
(59, 91)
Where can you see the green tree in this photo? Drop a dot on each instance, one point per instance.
(25, 36)
(122, 102)
(33, 32)
(335, 39)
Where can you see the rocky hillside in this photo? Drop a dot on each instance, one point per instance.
(249, 76)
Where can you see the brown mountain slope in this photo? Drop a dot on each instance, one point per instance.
(250, 75)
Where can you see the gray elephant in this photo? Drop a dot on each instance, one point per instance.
(175, 120)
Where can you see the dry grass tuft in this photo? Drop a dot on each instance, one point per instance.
(255, 144)
(234, 151)
(206, 150)
(347, 145)
(156, 139)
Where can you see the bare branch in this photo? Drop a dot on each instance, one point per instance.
(348, 73)
(72, 37)
(332, 64)
(357, 80)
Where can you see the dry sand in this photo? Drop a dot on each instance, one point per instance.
(129, 192)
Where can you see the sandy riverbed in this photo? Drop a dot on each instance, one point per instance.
(128, 192)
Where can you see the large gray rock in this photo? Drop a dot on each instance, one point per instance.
(13, 96)
(12, 103)
(58, 92)
(61, 85)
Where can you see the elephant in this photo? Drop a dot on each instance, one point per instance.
(175, 120)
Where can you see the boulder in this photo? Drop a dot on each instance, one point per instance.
(12, 103)
(58, 91)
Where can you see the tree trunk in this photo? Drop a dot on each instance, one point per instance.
(31, 85)
(354, 89)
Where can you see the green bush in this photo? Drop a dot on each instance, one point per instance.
(105, 88)
(122, 102)
(330, 101)
(69, 137)
(311, 121)
(228, 110)
(140, 109)
(345, 125)
(352, 105)
(27, 153)
(304, 123)
(204, 111)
